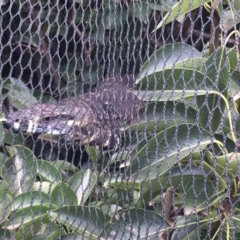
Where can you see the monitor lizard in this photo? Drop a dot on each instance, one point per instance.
(94, 117)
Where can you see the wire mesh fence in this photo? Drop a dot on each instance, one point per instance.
(120, 119)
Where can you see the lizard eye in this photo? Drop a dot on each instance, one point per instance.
(47, 118)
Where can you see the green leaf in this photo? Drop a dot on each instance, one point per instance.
(229, 19)
(1, 133)
(167, 57)
(20, 96)
(179, 178)
(197, 197)
(194, 63)
(88, 221)
(112, 16)
(136, 224)
(68, 71)
(118, 182)
(39, 230)
(45, 187)
(20, 169)
(164, 150)
(168, 95)
(74, 236)
(62, 194)
(140, 11)
(216, 68)
(65, 166)
(91, 74)
(226, 164)
(234, 85)
(110, 210)
(5, 206)
(93, 153)
(233, 59)
(13, 138)
(2, 118)
(210, 114)
(3, 158)
(82, 184)
(6, 234)
(33, 198)
(161, 115)
(212, 106)
(186, 227)
(48, 172)
(180, 9)
(27, 215)
(177, 79)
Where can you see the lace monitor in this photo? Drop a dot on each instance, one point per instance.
(92, 118)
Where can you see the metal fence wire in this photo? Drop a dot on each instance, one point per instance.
(120, 119)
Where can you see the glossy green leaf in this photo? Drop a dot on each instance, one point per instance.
(167, 57)
(5, 206)
(229, 19)
(88, 221)
(39, 230)
(225, 164)
(136, 224)
(161, 115)
(198, 195)
(48, 172)
(1, 133)
(216, 68)
(118, 182)
(6, 234)
(112, 16)
(110, 210)
(3, 159)
(212, 107)
(33, 198)
(20, 94)
(140, 10)
(2, 118)
(186, 227)
(120, 195)
(169, 95)
(20, 169)
(27, 215)
(180, 9)
(65, 166)
(176, 79)
(13, 138)
(93, 153)
(164, 150)
(233, 59)
(82, 184)
(179, 178)
(74, 236)
(62, 194)
(191, 63)
(45, 187)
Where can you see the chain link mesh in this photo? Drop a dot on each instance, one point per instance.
(120, 119)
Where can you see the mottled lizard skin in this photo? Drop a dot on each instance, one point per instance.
(90, 118)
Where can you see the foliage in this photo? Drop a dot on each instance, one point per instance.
(182, 161)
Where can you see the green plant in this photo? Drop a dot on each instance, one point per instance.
(178, 173)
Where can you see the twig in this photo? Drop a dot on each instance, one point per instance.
(86, 52)
(44, 51)
(215, 32)
(152, 41)
(238, 46)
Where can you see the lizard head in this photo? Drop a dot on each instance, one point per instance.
(39, 119)
(52, 121)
